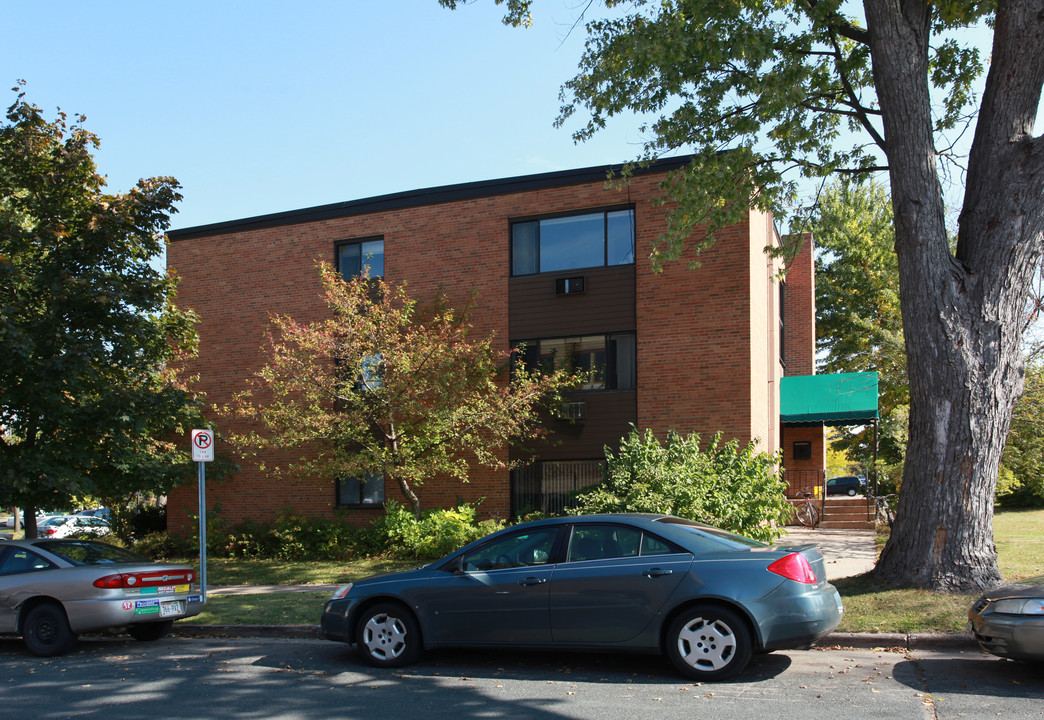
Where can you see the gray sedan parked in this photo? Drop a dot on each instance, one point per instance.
(52, 590)
(1009, 620)
(706, 598)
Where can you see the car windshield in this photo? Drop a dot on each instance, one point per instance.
(85, 552)
(730, 540)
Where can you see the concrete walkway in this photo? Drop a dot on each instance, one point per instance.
(847, 552)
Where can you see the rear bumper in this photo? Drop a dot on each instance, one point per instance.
(800, 620)
(121, 610)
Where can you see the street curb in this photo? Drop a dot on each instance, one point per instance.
(298, 632)
(905, 641)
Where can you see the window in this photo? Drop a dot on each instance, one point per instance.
(578, 241)
(550, 486)
(802, 450)
(519, 550)
(607, 362)
(21, 561)
(353, 258)
(598, 542)
(365, 490)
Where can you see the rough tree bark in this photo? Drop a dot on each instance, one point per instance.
(961, 311)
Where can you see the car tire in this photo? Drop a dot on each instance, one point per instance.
(46, 631)
(152, 631)
(387, 635)
(709, 643)
(851, 492)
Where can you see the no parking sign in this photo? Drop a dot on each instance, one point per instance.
(202, 446)
(202, 452)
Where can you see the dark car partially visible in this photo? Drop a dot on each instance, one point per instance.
(706, 598)
(1008, 621)
(850, 485)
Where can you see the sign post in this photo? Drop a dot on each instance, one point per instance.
(202, 453)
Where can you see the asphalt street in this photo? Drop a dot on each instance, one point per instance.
(301, 679)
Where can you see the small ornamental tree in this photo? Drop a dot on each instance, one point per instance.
(387, 385)
(737, 489)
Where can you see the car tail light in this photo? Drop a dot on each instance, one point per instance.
(794, 567)
(48, 531)
(146, 579)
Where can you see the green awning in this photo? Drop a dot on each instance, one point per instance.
(838, 399)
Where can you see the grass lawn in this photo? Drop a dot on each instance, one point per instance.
(871, 606)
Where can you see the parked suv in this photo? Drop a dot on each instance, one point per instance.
(847, 485)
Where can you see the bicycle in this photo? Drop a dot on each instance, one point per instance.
(807, 514)
(883, 513)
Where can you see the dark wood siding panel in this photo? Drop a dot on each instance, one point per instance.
(606, 305)
(608, 418)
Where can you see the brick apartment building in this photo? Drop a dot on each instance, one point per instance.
(557, 260)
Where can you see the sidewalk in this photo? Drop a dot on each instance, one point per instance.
(847, 552)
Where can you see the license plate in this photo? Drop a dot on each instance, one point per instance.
(172, 607)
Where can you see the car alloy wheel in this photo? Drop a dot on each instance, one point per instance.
(709, 643)
(46, 631)
(388, 635)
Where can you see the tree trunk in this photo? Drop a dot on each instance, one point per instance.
(961, 313)
(29, 523)
(411, 497)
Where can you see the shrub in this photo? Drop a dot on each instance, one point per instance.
(296, 537)
(166, 546)
(144, 520)
(737, 489)
(437, 533)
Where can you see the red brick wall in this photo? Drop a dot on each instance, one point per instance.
(800, 311)
(707, 347)
(695, 345)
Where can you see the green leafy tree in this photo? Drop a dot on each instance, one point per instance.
(734, 488)
(797, 90)
(89, 335)
(859, 326)
(1024, 454)
(386, 385)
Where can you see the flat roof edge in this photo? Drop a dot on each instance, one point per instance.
(425, 196)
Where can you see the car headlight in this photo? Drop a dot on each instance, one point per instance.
(341, 592)
(1019, 606)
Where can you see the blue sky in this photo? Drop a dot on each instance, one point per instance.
(259, 107)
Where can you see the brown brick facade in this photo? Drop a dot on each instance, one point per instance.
(707, 339)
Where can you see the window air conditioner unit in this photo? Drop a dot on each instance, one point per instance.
(569, 286)
(572, 411)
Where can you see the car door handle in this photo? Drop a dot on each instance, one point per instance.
(656, 572)
(532, 581)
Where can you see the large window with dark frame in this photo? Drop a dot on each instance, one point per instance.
(606, 362)
(360, 257)
(585, 240)
(355, 490)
